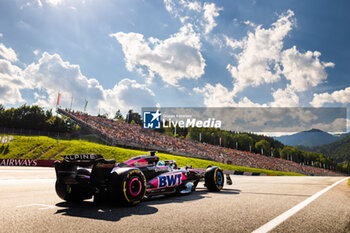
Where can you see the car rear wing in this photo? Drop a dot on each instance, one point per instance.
(81, 159)
(66, 171)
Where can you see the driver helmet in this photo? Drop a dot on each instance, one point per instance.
(161, 163)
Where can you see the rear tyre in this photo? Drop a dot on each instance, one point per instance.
(214, 179)
(128, 188)
(74, 192)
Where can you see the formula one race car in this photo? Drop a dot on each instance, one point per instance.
(128, 182)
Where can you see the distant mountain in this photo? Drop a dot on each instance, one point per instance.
(310, 138)
(338, 150)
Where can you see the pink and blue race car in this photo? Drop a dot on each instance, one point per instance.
(84, 176)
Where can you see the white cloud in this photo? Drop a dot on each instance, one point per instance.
(216, 96)
(245, 102)
(33, 3)
(304, 70)
(170, 6)
(36, 52)
(202, 16)
(220, 96)
(127, 94)
(234, 44)
(1, 35)
(7, 53)
(173, 59)
(11, 83)
(177, 57)
(54, 75)
(341, 96)
(337, 125)
(192, 5)
(210, 12)
(261, 60)
(50, 74)
(257, 63)
(247, 22)
(285, 98)
(54, 2)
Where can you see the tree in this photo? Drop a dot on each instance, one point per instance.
(34, 117)
(263, 145)
(134, 116)
(244, 141)
(118, 115)
(289, 152)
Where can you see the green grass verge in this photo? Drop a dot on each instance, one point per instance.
(349, 182)
(22, 144)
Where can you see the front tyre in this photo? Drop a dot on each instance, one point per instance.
(128, 188)
(214, 179)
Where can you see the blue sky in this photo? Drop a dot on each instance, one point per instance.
(130, 54)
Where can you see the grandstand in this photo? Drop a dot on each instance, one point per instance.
(134, 136)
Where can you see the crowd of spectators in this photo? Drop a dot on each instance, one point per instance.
(122, 133)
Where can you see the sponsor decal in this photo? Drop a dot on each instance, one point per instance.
(81, 157)
(169, 180)
(140, 164)
(27, 162)
(161, 169)
(151, 120)
(136, 163)
(18, 162)
(102, 165)
(132, 172)
(6, 139)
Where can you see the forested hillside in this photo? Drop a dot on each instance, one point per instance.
(338, 150)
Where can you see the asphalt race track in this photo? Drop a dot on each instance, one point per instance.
(28, 203)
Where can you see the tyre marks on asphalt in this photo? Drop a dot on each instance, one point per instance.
(39, 206)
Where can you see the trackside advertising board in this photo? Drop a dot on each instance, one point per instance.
(27, 162)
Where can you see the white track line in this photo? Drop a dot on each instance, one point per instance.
(25, 181)
(16, 171)
(25, 168)
(278, 220)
